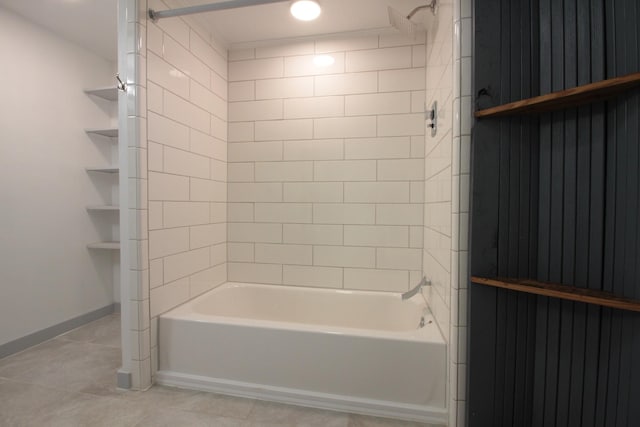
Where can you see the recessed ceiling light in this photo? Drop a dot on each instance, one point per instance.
(305, 10)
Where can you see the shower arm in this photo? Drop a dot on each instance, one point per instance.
(231, 4)
(431, 6)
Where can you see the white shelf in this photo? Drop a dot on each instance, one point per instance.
(110, 208)
(110, 169)
(108, 93)
(111, 246)
(110, 132)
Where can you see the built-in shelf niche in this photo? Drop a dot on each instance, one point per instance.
(104, 208)
(109, 169)
(108, 132)
(108, 93)
(111, 246)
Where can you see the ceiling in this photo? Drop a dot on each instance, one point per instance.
(93, 23)
(273, 21)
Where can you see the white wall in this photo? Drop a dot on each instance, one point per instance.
(47, 275)
(326, 169)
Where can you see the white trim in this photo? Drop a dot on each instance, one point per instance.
(306, 398)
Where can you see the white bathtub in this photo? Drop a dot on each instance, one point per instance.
(354, 351)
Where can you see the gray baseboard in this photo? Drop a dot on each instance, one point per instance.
(123, 379)
(43, 335)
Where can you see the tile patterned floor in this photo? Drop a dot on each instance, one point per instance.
(69, 381)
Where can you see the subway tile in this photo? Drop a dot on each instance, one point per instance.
(255, 192)
(376, 280)
(184, 264)
(240, 212)
(399, 214)
(186, 113)
(327, 149)
(241, 132)
(376, 235)
(185, 61)
(206, 280)
(312, 234)
(401, 170)
(283, 254)
(346, 84)
(295, 213)
(345, 170)
(323, 192)
(155, 216)
(180, 214)
(418, 56)
(251, 152)
(340, 43)
(325, 277)
(381, 103)
(320, 106)
(344, 256)
(292, 87)
(378, 148)
(168, 132)
(207, 235)
(155, 153)
(207, 100)
(242, 91)
(156, 272)
(347, 127)
(290, 49)
(218, 254)
(164, 298)
(206, 145)
(399, 259)
(255, 273)
(284, 130)
(179, 162)
(378, 59)
(295, 66)
(284, 171)
(154, 39)
(218, 212)
(343, 213)
(400, 39)
(248, 111)
(242, 54)
(168, 242)
(418, 101)
(154, 97)
(218, 170)
(402, 80)
(401, 125)
(204, 190)
(240, 252)
(205, 53)
(417, 147)
(256, 69)
(253, 232)
(167, 76)
(219, 86)
(168, 187)
(219, 128)
(377, 192)
(240, 172)
(417, 192)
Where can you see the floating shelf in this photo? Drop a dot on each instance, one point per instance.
(111, 246)
(108, 93)
(591, 92)
(565, 292)
(111, 208)
(111, 132)
(112, 169)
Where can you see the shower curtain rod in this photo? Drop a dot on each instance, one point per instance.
(232, 4)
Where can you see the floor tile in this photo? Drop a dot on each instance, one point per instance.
(277, 414)
(173, 418)
(367, 421)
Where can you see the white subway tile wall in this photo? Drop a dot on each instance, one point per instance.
(187, 140)
(326, 171)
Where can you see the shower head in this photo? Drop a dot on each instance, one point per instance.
(403, 23)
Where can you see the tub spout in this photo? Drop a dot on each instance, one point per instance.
(424, 282)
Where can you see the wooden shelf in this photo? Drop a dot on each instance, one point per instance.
(108, 93)
(111, 246)
(565, 292)
(110, 132)
(111, 169)
(564, 99)
(110, 208)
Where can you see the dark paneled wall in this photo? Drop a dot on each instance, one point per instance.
(556, 197)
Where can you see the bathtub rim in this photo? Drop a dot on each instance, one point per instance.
(304, 398)
(429, 333)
